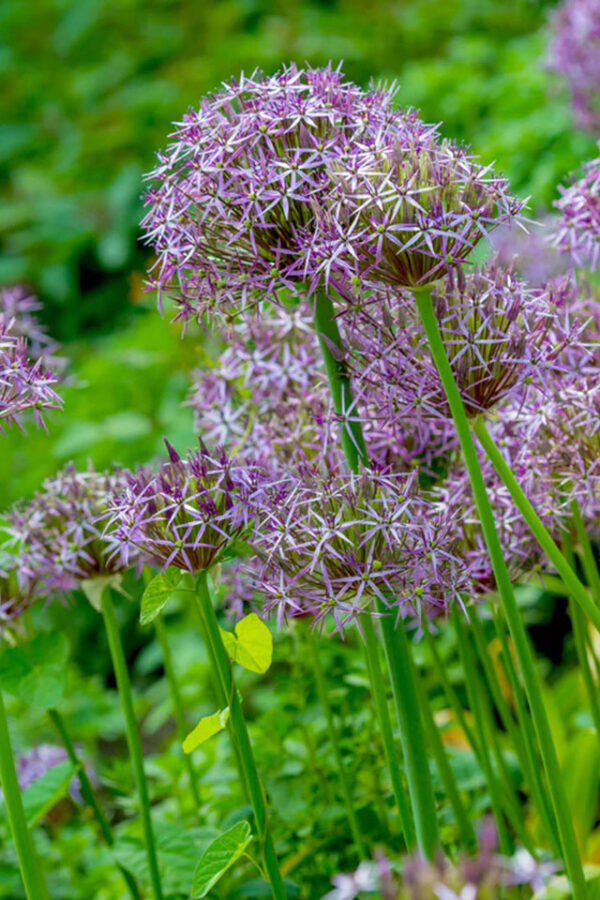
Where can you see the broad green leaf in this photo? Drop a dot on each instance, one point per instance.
(36, 672)
(44, 793)
(158, 592)
(252, 644)
(581, 777)
(217, 858)
(205, 729)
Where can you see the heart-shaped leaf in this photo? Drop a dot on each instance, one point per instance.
(252, 644)
(219, 856)
(205, 729)
(36, 672)
(43, 794)
(158, 592)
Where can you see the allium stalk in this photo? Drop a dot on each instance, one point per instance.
(526, 663)
(31, 872)
(242, 738)
(133, 736)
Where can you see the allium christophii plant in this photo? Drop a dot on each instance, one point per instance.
(20, 308)
(333, 542)
(59, 540)
(499, 335)
(406, 208)
(574, 53)
(529, 252)
(578, 231)
(16, 595)
(188, 514)
(25, 384)
(233, 198)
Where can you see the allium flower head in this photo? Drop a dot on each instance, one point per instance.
(20, 308)
(574, 53)
(407, 207)
(498, 335)
(529, 252)
(578, 231)
(15, 597)
(58, 536)
(333, 542)
(235, 192)
(25, 385)
(189, 513)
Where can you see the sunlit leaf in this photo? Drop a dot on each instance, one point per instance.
(205, 729)
(252, 644)
(158, 593)
(219, 856)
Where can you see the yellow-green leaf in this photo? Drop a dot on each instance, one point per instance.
(230, 642)
(254, 644)
(205, 729)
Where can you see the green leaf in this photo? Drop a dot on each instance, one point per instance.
(93, 588)
(43, 794)
(158, 592)
(252, 644)
(205, 729)
(217, 858)
(36, 672)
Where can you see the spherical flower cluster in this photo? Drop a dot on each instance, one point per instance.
(332, 542)
(574, 53)
(235, 192)
(578, 231)
(20, 308)
(499, 335)
(186, 515)
(58, 537)
(15, 597)
(24, 384)
(407, 208)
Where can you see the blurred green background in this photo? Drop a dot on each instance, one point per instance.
(89, 91)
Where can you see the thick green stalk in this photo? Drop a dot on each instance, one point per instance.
(539, 791)
(241, 736)
(579, 628)
(89, 795)
(378, 694)
(132, 733)
(178, 710)
(590, 566)
(468, 838)
(406, 701)
(352, 440)
(574, 586)
(526, 663)
(31, 873)
(323, 695)
(485, 761)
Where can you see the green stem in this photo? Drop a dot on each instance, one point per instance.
(323, 695)
(240, 731)
(540, 793)
(475, 702)
(31, 873)
(178, 710)
(382, 711)
(352, 440)
(590, 566)
(574, 586)
(89, 795)
(579, 627)
(466, 831)
(406, 700)
(526, 663)
(440, 669)
(132, 733)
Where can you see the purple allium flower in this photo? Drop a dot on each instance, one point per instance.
(529, 252)
(406, 208)
(19, 307)
(332, 542)
(15, 597)
(188, 514)
(233, 198)
(498, 334)
(59, 539)
(24, 384)
(39, 760)
(574, 53)
(578, 231)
